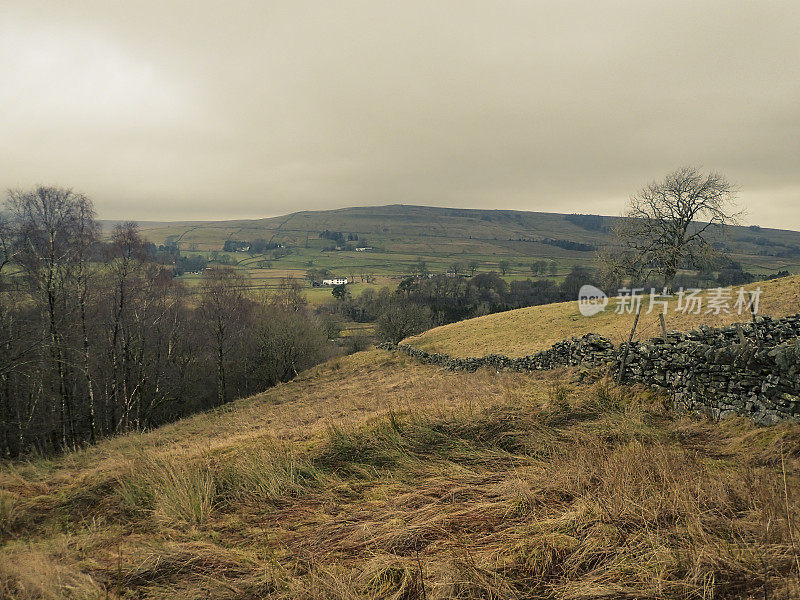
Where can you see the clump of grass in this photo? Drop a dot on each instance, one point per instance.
(186, 492)
(389, 442)
(495, 434)
(269, 471)
(185, 489)
(177, 489)
(388, 578)
(558, 394)
(205, 564)
(35, 575)
(605, 396)
(348, 449)
(681, 524)
(135, 489)
(8, 510)
(380, 577)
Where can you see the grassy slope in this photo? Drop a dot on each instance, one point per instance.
(374, 477)
(400, 235)
(528, 330)
(403, 233)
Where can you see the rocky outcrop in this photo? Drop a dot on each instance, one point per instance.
(750, 369)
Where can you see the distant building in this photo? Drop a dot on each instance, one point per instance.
(364, 249)
(335, 281)
(235, 246)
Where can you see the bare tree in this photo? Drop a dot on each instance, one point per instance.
(289, 296)
(287, 342)
(86, 235)
(222, 308)
(669, 225)
(457, 268)
(127, 261)
(45, 229)
(6, 251)
(402, 320)
(503, 265)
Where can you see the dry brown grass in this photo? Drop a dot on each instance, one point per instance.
(529, 330)
(377, 477)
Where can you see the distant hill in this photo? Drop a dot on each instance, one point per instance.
(444, 233)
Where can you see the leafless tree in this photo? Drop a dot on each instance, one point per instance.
(287, 342)
(86, 235)
(670, 225)
(99, 337)
(222, 308)
(46, 228)
(503, 265)
(289, 295)
(127, 261)
(456, 268)
(6, 250)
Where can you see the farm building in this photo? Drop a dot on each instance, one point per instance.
(335, 281)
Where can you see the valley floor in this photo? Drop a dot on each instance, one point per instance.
(373, 476)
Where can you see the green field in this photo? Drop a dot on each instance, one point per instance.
(402, 235)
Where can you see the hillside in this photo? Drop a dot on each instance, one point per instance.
(374, 476)
(529, 330)
(401, 234)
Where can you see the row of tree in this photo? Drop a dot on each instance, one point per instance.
(97, 337)
(538, 267)
(422, 302)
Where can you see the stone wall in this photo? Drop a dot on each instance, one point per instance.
(752, 369)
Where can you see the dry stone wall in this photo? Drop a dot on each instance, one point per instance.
(750, 369)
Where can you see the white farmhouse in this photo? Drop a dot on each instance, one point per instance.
(335, 281)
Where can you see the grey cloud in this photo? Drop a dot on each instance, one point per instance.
(260, 108)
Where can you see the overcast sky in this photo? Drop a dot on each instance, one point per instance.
(210, 109)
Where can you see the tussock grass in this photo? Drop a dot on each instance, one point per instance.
(267, 472)
(36, 575)
(186, 489)
(164, 563)
(177, 489)
(468, 437)
(8, 510)
(383, 478)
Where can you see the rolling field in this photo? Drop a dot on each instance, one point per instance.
(529, 330)
(402, 235)
(373, 476)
